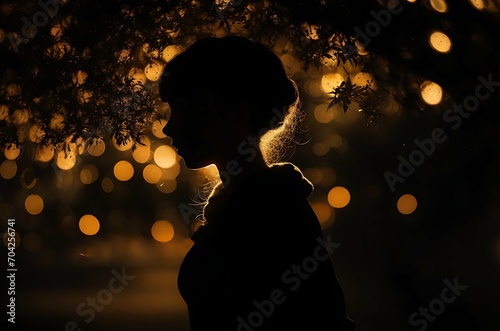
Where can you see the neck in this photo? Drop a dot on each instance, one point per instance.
(233, 170)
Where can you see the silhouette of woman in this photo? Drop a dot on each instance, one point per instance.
(261, 261)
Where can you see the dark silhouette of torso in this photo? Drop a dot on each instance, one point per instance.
(262, 262)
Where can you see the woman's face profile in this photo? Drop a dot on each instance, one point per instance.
(194, 127)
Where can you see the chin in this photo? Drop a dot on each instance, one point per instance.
(193, 163)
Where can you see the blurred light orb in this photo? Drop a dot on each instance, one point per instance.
(34, 204)
(107, 185)
(8, 169)
(335, 141)
(170, 52)
(313, 88)
(89, 225)
(142, 152)
(362, 79)
(12, 152)
(407, 204)
(66, 159)
(331, 81)
(36, 133)
(153, 71)
(165, 156)
(20, 116)
(89, 174)
(152, 173)
(44, 153)
(162, 231)
(431, 92)
(123, 171)
(97, 148)
(128, 144)
(339, 197)
(322, 114)
(440, 42)
(439, 5)
(478, 4)
(321, 149)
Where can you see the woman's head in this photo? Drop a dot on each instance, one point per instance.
(222, 90)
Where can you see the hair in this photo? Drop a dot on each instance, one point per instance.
(236, 69)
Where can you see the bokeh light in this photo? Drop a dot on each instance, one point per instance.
(162, 231)
(153, 71)
(124, 146)
(107, 185)
(407, 204)
(440, 42)
(89, 225)
(123, 171)
(12, 152)
(8, 169)
(34, 204)
(439, 5)
(331, 81)
(152, 173)
(44, 153)
(97, 148)
(66, 157)
(339, 197)
(165, 156)
(170, 52)
(89, 174)
(432, 93)
(322, 114)
(36, 133)
(142, 152)
(478, 4)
